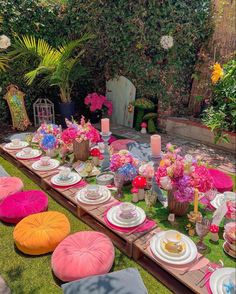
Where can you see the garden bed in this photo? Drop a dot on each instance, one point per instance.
(195, 130)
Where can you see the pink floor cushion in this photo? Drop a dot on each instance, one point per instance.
(21, 204)
(9, 185)
(221, 181)
(81, 255)
(121, 144)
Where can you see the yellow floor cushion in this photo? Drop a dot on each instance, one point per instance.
(40, 233)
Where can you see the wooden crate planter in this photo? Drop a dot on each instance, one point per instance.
(168, 276)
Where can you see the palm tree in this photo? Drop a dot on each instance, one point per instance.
(55, 66)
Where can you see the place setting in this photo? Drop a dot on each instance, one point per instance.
(65, 178)
(16, 144)
(93, 194)
(127, 217)
(223, 281)
(28, 153)
(45, 163)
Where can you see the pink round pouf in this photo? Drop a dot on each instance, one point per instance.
(9, 185)
(222, 182)
(81, 255)
(19, 205)
(121, 144)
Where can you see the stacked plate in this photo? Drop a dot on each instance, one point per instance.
(118, 217)
(16, 145)
(222, 281)
(72, 179)
(52, 164)
(30, 154)
(93, 194)
(184, 253)
(217, 201)
(230, 239)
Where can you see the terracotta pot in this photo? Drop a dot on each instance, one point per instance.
(81, 150)
(178, 208)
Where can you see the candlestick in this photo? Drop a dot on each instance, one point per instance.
(105, 125)
(156, 161)
(196, 202)
(156, 145)
(106, 155)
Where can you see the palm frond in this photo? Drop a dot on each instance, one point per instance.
(31, 75)
(3, 63)
(1, 19)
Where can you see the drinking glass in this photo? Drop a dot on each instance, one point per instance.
(202, 229)
(119, 183)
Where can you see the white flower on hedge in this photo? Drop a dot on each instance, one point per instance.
(167, 42)
(5, 42)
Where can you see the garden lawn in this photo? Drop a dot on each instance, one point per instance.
(28, 274)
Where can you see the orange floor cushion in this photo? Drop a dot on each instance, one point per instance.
(40, 233)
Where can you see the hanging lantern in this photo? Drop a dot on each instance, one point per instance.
(43, 112)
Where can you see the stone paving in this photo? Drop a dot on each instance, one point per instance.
(216, 157)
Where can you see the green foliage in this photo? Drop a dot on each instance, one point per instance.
(128, 41)
(221, 115)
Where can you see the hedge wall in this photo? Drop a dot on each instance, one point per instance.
(128, 42)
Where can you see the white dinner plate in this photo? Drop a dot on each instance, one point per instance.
(82, 196)
(112, 217)
(53, 163)
(11, 146)
(74, 179)
(34, 154)
(217, 201)
(218, 278)
(171, 259)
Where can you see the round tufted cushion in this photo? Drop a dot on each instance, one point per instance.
(9, 185)
(121, 144)
(40, 233)
(222, 182)
(81, 255)
(21, 204)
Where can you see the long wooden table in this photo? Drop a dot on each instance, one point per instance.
(134, 244)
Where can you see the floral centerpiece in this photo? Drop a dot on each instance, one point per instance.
(98, 105)
(147, 170)
(182, 177)
(124, 163)
(78, 137)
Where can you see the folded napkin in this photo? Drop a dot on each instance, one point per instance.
(81, 184)
(207, 275)
(147, 224)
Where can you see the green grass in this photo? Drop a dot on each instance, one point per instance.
(27, 274)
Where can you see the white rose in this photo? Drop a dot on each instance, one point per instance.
(166, 183)
(166, 42)
(5, 42)
(188, 158)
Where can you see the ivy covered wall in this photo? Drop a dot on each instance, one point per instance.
(128, 35)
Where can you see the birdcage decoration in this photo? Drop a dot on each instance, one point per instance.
(43, 112)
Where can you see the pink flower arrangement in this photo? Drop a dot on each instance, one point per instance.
(182, 174)
(46, 129)
(147, 170)
(79, 132)
(96, 101)
(122, 158)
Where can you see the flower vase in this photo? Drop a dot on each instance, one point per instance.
(51, 153)
(176, 207)
(81, 150)
(141, 194)
(119, 183)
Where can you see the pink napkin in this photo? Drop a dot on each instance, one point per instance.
(34, 158)
(148, 224)
(81, 184)
(208, 274)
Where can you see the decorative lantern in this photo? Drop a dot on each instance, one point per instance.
(43, 112)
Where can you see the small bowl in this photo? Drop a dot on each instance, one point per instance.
(45, 160)
(127, 210)
(27, 150)
(104, 179)
(64, 174)
(93, 192)
(173, 236)
(15, 142)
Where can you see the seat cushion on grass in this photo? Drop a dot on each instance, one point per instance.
(120, 144)
(21, 204)
(221, 181)
(9, 185)
(40, 233)
(122, 282)
(81, 255)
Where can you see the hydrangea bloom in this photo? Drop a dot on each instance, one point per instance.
(96, 101)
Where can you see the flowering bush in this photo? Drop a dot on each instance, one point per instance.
(79, 132)
(182, 174)
(98, 102)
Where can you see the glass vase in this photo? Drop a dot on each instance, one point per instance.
(119, 183)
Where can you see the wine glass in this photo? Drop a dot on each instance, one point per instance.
(119, 182)
(202, 229)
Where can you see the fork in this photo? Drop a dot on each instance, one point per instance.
(189, 268)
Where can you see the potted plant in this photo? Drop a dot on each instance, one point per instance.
(98, 105)
(181, 177)
(55, 66)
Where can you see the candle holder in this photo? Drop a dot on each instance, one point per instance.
(156, 161)
(106, 155)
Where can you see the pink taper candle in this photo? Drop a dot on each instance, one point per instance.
(156, 145)
(105, 125)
